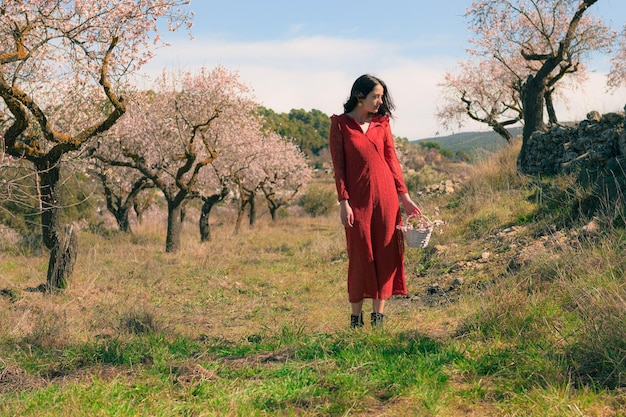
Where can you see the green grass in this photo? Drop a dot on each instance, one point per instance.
(288, 371)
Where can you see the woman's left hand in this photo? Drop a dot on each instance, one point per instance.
(410, 208)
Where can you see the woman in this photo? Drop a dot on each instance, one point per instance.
(369, 180)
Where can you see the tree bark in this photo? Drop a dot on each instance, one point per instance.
(552, 117)
(120, 207)
(533, 99)
(174, 227)
(252, 213)
(207, 206)
(62, 260)
(502, 131)
(242, 207)
(273, 209)
(205, 226)
(272, 205)
(62, 242)
(121, 217)
(49, 174)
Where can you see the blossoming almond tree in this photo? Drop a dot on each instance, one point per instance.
(16, 187)
(122, 188)
(286, 172)
(249, 161)
(540, 44)
(235, 170)
(617, 76)
(50, 52)
(483, 91)
(173, 135)
(277, 168)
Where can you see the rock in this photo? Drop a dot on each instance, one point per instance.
(621, 142)
(444, 187)
(612, 118)
(590, 229)
(435, 289)
(441, 248)
(456, 282)
(591, 145)
(593, 116)
(527, 255)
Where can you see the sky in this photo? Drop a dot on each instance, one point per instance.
(306, 55)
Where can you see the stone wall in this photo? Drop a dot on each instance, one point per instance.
(595, 144)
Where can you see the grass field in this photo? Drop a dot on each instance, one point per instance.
(257, 323)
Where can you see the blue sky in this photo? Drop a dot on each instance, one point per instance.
(307, 54)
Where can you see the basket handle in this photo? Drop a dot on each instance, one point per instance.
(410, 216)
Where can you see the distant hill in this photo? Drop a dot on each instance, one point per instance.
(472, 142)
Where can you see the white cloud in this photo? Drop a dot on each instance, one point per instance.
(317, 73)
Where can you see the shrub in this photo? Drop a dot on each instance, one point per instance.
(139, 320)
(318, 201)
(423, 178)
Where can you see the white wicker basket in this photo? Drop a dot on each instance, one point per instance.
(416, 238)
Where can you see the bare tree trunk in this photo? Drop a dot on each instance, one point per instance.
(252, 213)
(552, 118)
(62, 242)
(174, 227)
(121, 206)
(121, 217)
(273, 209)
(207, 206)
(62, 259)
(242, 207)
(533, 99)
(49, 175)
(138, 211)
(183, 212)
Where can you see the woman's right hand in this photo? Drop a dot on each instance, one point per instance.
(347, 216)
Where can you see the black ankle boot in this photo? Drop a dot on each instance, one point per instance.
(356, 320)
(377, 319)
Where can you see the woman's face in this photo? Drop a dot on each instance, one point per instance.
(374, 99)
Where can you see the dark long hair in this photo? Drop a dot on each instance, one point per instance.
(362, 87)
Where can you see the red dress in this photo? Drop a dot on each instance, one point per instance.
(368, 174)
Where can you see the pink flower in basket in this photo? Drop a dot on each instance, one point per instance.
(418, 229)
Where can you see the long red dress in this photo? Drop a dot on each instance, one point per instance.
(368, 175)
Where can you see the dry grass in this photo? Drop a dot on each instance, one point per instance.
(288, 273)
(230, 287)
